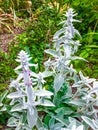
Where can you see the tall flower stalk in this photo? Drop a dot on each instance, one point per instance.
(85, 97)
(29, 93)
(64, 48)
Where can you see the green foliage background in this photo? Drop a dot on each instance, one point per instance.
(39, 21)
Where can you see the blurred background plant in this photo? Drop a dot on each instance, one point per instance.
(88, 14)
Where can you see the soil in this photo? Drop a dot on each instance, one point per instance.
(6, 37)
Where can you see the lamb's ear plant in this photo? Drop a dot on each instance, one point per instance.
(74, 96)
(28, 94)
(63, 53)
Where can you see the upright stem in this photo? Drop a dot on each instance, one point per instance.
(28, 84)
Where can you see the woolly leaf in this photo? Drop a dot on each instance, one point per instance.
(17, 107)
(89, 122)
(15, 95)
(65, 110)
(78, 102)
(58, 82)
(47, 103)
(47, 73)
(32, 118)
(52, 52)
(12, 122)
(58, 33)
(1, 104)
(43, 93)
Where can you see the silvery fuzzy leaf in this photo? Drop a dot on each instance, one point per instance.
(89, 122)
(19, 67)
(64, 129)
(3, 109)
(30, 94)
(78, 102)
(39, 85)
(47, 103)
(39, 79)
(69, 92)
(69, 14)
(12, 122)
(63, 22)
(76, 43)
(72, 123)
(43, 93)
(57, 126)
(88, 85)
(52, 52)
(76, 85)
(1, 104)
(75, 20)
(58, 82)
(77, 32)
(62, 39)
(71, 70)
(58, 33)
(48, 63)
(47, 73)
(77, 58)
(33, 74)
(26, 67)
(76, 78)
(94, 90)
(95, 122)
(14, 101)
(57, 45)
(15, 95)
(67, 49)
(34, 65)
(31, 108)
(95, 87)
(90, 80)
(32, 119)
(26, 127)
(40, 75)
(18, 60)
(64, 110)
(73, 127)
(82, 76)
(14, 84)
(42, 128)
(80, 127)
(20, 76)
(51, 123)
(71, 29)
(86, 79)
(17, 107)
(16, 115)
(88, 98)
(39, 124)
(95, 84)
